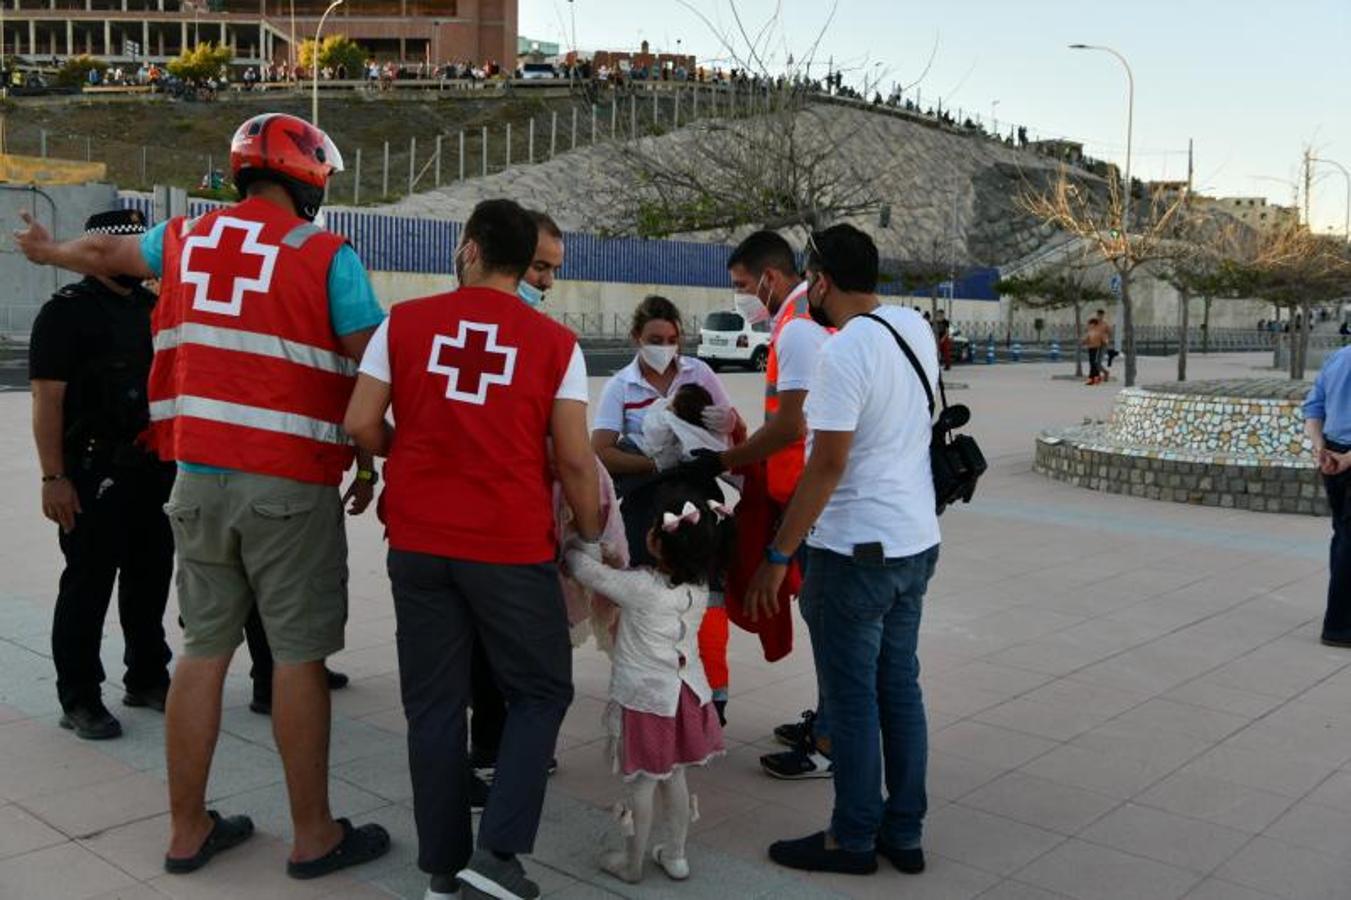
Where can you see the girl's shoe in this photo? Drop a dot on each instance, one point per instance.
(678, 868)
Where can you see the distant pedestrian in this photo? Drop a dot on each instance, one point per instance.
(1327, 414)
(1095, 338)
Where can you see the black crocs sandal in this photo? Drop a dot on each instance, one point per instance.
(358, 845)
(225, 833)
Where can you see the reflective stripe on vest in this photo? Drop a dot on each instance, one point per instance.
(228, 413)
(259, 344)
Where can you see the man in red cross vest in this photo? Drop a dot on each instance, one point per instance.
(479, 384)
(261, 318)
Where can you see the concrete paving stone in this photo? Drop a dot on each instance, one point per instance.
(989, 744)
(1160, 749)
(1292, 773)
(92, 808)
(1210, 694)
(384, 775)
(960, 702)
(1148, 668)
(994, 678)
(943, 879)
(22, 832)
(1104, 772)
(1287, 871)
(1217, 889)
(952, 777)
(988, 842)
(136, 892)
(64, 872)
(1335, 791)
(1089, 872)
(366, 696)
(1040, 802)
(1155, 834)
(1016, 890)
(1058, 723)
(1160, 714)
(1216, 800)
(137, 848)
(1316, 827)
(1283, 668)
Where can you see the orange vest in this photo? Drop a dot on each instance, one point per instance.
(248, 374)
(785, 467)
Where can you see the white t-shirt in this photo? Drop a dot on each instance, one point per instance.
(375, 363)
(798, 346)
(864, 384)
(627, 395)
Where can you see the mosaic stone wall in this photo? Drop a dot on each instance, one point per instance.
(1232, 444)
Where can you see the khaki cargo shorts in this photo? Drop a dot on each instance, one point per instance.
(243, 539)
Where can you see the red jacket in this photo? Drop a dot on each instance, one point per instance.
(248, 373)
(475, 374)
(757, 520)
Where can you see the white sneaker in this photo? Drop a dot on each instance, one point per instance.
(676, 869)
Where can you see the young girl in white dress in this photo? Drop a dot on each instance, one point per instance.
(661, 718)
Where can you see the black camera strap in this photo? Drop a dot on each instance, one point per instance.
(914, 361)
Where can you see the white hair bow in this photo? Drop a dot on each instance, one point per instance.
(670, 522)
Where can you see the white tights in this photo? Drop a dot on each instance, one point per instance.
(639, 809)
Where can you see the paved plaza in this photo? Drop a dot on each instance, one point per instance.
(1127, 700)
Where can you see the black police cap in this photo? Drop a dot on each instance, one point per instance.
(117, 221)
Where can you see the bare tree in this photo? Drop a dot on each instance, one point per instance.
(1298, 270)
(1072, 207)
(769, 158)
(1066, 286)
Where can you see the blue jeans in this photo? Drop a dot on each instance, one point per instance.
(865, 637)
(809, 604)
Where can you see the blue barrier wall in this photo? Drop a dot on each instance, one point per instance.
(397, 244)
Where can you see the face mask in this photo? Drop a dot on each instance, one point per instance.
(751, 309)
(658, 356)
(531, 295)
(818, 313)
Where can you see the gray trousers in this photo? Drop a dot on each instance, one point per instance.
(442, 607)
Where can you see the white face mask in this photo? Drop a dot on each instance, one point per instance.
(658, 357)
(751, 309)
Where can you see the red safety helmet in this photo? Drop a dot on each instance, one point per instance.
(288, 150)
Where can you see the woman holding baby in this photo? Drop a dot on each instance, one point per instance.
(653, 414)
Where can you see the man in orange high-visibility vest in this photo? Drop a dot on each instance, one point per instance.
(769, 288)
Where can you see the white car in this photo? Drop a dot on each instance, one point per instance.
(726, 340)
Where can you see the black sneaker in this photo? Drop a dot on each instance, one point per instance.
(794, 733)
(91, 721)
(150, 698)
(478, 791)
(909, 860)
(336, 680)
(809, 854)
(797, 765)
(442, 887)
(501, 878)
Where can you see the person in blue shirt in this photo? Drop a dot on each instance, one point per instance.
(1327, 421)
(353, 307)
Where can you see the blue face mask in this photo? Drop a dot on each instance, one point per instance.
(529, 294)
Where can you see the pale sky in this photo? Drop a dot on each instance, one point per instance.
(1251, 81)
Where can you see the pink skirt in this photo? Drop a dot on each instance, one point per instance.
(655, 746)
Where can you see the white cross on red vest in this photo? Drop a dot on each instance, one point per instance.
(226, 263)
(472, 362)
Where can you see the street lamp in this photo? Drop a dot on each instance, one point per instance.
(1130, 127)
(1346, 229)
(314, 63)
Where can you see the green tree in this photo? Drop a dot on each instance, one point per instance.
(1067, 286)
(197, 64)
(335, 50)
(75, 71)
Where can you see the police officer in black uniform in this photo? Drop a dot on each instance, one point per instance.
(89, 361)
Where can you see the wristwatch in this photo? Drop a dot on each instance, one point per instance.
(776, 558)
(368, 475)
(59, 476)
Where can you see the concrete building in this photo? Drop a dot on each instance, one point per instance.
(1253, 211)
(258, 30)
